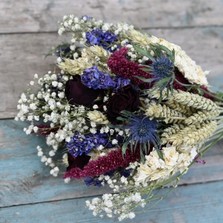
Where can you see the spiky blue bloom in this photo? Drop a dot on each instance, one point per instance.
(83, 144)
(96, 79)
(143, 130)
(162, 67)
(101, 38)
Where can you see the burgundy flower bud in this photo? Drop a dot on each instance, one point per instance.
(79, 94)
(125, 99)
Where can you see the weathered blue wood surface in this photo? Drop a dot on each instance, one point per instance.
(28, 194)
(27, 191)
(188, 204)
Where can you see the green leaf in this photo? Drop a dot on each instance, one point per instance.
(219, 95)
(142, 51)
(160, 154)
(119, 118)
(160, 50)
(124, 147)
(162, 83)
(146, 80)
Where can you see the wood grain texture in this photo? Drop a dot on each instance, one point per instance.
(36, 16)
(27, 32)
(22, 55)
(26, 180)
(188, 204)
(164, 13)
(39, 16)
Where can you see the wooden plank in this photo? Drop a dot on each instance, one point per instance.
(39, 16)
(161, 13)
(33, 16)
(23, 55)
(194, 203)
(26, 180)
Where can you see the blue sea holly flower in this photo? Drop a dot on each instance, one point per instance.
(162, 67)
(95, 79)
(143, 130)
(101, 38)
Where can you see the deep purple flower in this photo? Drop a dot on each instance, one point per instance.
(78, 93)
(92, 181)
(95, 79)
(126, 98)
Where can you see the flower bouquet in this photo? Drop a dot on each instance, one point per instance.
(123, 109)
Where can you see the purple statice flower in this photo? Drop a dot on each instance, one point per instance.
(82, 144)
(93, 181)
(101, 38)
(121, 82)
(162, 67)
(143, 130)
(126, 172)
(96, 79)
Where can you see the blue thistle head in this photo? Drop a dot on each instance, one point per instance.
(162, 67)
(143, 130)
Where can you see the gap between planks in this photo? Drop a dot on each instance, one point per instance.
(100, 194)
(143, 28)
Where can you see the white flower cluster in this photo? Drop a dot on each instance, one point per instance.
(97, 117)
(52, 106)
(116, 205)
(79, 27)
(159, 169)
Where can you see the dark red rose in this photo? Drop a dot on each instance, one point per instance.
(79, 94)
(79, 161)
(125, 99)
(181, 80)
